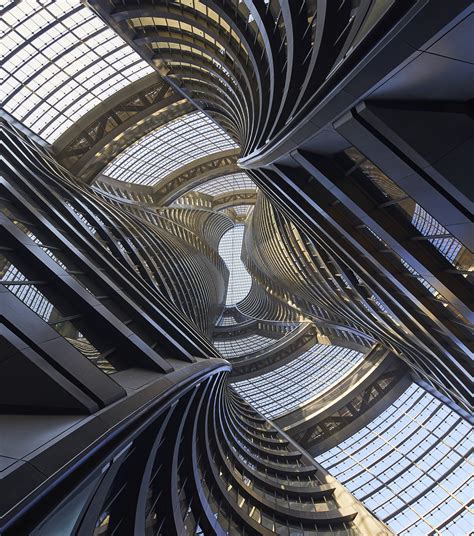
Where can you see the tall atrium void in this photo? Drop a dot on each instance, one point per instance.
(236, 267)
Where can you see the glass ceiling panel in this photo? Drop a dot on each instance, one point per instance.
(60, 61)
(230, 249)
(428, 226)
(227, 184)
(242, 210)
(287, 387)
(410, 466)
(168, 148)
(231, 348)
(227, 321)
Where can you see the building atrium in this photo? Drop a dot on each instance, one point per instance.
(236, 267)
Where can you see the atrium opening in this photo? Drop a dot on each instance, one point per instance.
(236, 267)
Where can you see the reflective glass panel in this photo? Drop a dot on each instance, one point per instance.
(234, 347)
(227, 184)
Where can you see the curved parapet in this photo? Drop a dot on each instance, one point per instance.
(146, 277)
(209, 225)
(322, 98)
(283, 259)
(262, 305)
(345, 291)
(188, 455)
(257, 69)
(286, 187)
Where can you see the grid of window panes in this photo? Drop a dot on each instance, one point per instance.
(230, 249)
(168, 148)
(423, 281)
(59, 60)
(228, 184)
(285, 388)
(30, 294)
(227, 321)
(231, 348)
(410, 466)
(446, 244)
(242, 210)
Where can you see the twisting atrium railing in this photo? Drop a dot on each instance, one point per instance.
(354, 120)
(253, 66)
(339, 297)
(126, 427)
(320, 96)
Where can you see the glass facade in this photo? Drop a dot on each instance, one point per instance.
(36, 295)
(234, 347)
(227, 321)
(169, 148)
(410, 466)
(60, 60)
(227, 184)
(242, 210)
(448, 246)
(285, 388)
(426, 224)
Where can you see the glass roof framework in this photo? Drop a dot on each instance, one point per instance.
(232, 184)
(294, 384)
(227, 321)
(227, 184)
(232, 348)
(60, 61)
(169, 148)
(240, 281)
(410, 466)
(242, 210)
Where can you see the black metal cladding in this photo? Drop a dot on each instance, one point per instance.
(190, 457)
(286, 80)
(202, 463)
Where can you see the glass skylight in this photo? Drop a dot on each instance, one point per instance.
(448, 247)
(410, 466)
(289, 386)
(227, 321)
(59, 60)
(230, 249)
(168, 148)
(231, 348)
(228, 184)
(242, 210)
